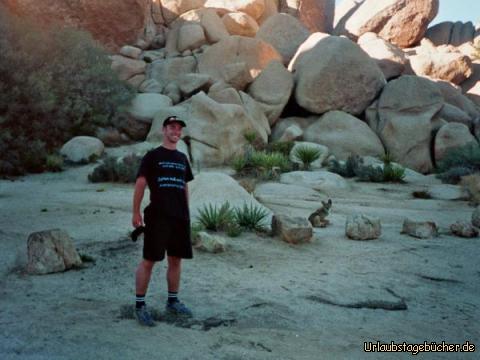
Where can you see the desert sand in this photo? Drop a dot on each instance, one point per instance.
(261, 299)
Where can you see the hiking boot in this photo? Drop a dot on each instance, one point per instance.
(143, 316)
(178, 308)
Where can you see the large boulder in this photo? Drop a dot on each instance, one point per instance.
(317, 15)
(344, 135)
(272, 89)
(283, 124)
(113, 23)
(335, 74)
(190, 37)
(172, 9)
(82, 149)
(391, 59)
(255, 53)
(403, 120)
(443, 63)
(238, 23)
(253, 8)
(439, 34)
(169, 70)
(144, 106)
(285, 33)
(462, 33)
(320, 180)
(453, 95)
(212, 24)
(451, 135)
(51, 251)
(401, 22)
(126, 68)
(451, 113)
(447, 32)
(215, 131)
(217, 188)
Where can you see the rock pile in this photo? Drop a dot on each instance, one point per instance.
(390, 84)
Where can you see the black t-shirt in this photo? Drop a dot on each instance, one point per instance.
(167, 171)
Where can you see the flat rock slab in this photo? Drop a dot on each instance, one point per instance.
(324, 181)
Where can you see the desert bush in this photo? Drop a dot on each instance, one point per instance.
(216, 218)
(349, 169)
(306, 155)
(251, 217)
(54, 163)
(56, 83)
(114, 170)
(261, 164)
(458, 162)
(370, 173)
(393, 173)
(354, 167)
(283, 147)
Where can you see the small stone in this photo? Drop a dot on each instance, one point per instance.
(463, 229)
(294, 230)
(363, 227)
(210, 243)
(51, 251)
(419, 229)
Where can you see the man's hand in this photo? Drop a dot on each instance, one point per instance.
(137, 220)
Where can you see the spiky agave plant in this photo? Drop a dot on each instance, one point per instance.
(306, 155)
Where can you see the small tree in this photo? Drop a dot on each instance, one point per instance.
(55, 83)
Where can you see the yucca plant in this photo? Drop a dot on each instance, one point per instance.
(306, 155)
(216, 218)
(251, 217)
(393, 173)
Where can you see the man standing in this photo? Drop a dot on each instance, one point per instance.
(166, 171)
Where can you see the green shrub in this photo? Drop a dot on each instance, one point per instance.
(56, 83)
(239, 163)
(54, 163)
(216, 218)
(458, 162)
(250, 136)
(251, 217)
(354, 167)
(113, 170)
(283, 147)
(393, 173)
(349, 169)
(370, 173)
(262, 164)
(306, 155)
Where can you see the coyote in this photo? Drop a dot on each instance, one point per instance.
(317, 218)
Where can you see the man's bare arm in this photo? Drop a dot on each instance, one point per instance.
(186, 192)
(140, 185)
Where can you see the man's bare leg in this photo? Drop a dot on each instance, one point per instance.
(142, 276)
(173, 273)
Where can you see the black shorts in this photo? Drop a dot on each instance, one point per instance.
(165, 233)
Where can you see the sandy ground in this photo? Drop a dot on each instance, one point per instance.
(262, 299)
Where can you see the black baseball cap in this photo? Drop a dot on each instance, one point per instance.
(173, 119)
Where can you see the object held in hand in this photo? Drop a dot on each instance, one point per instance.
(136, 233)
